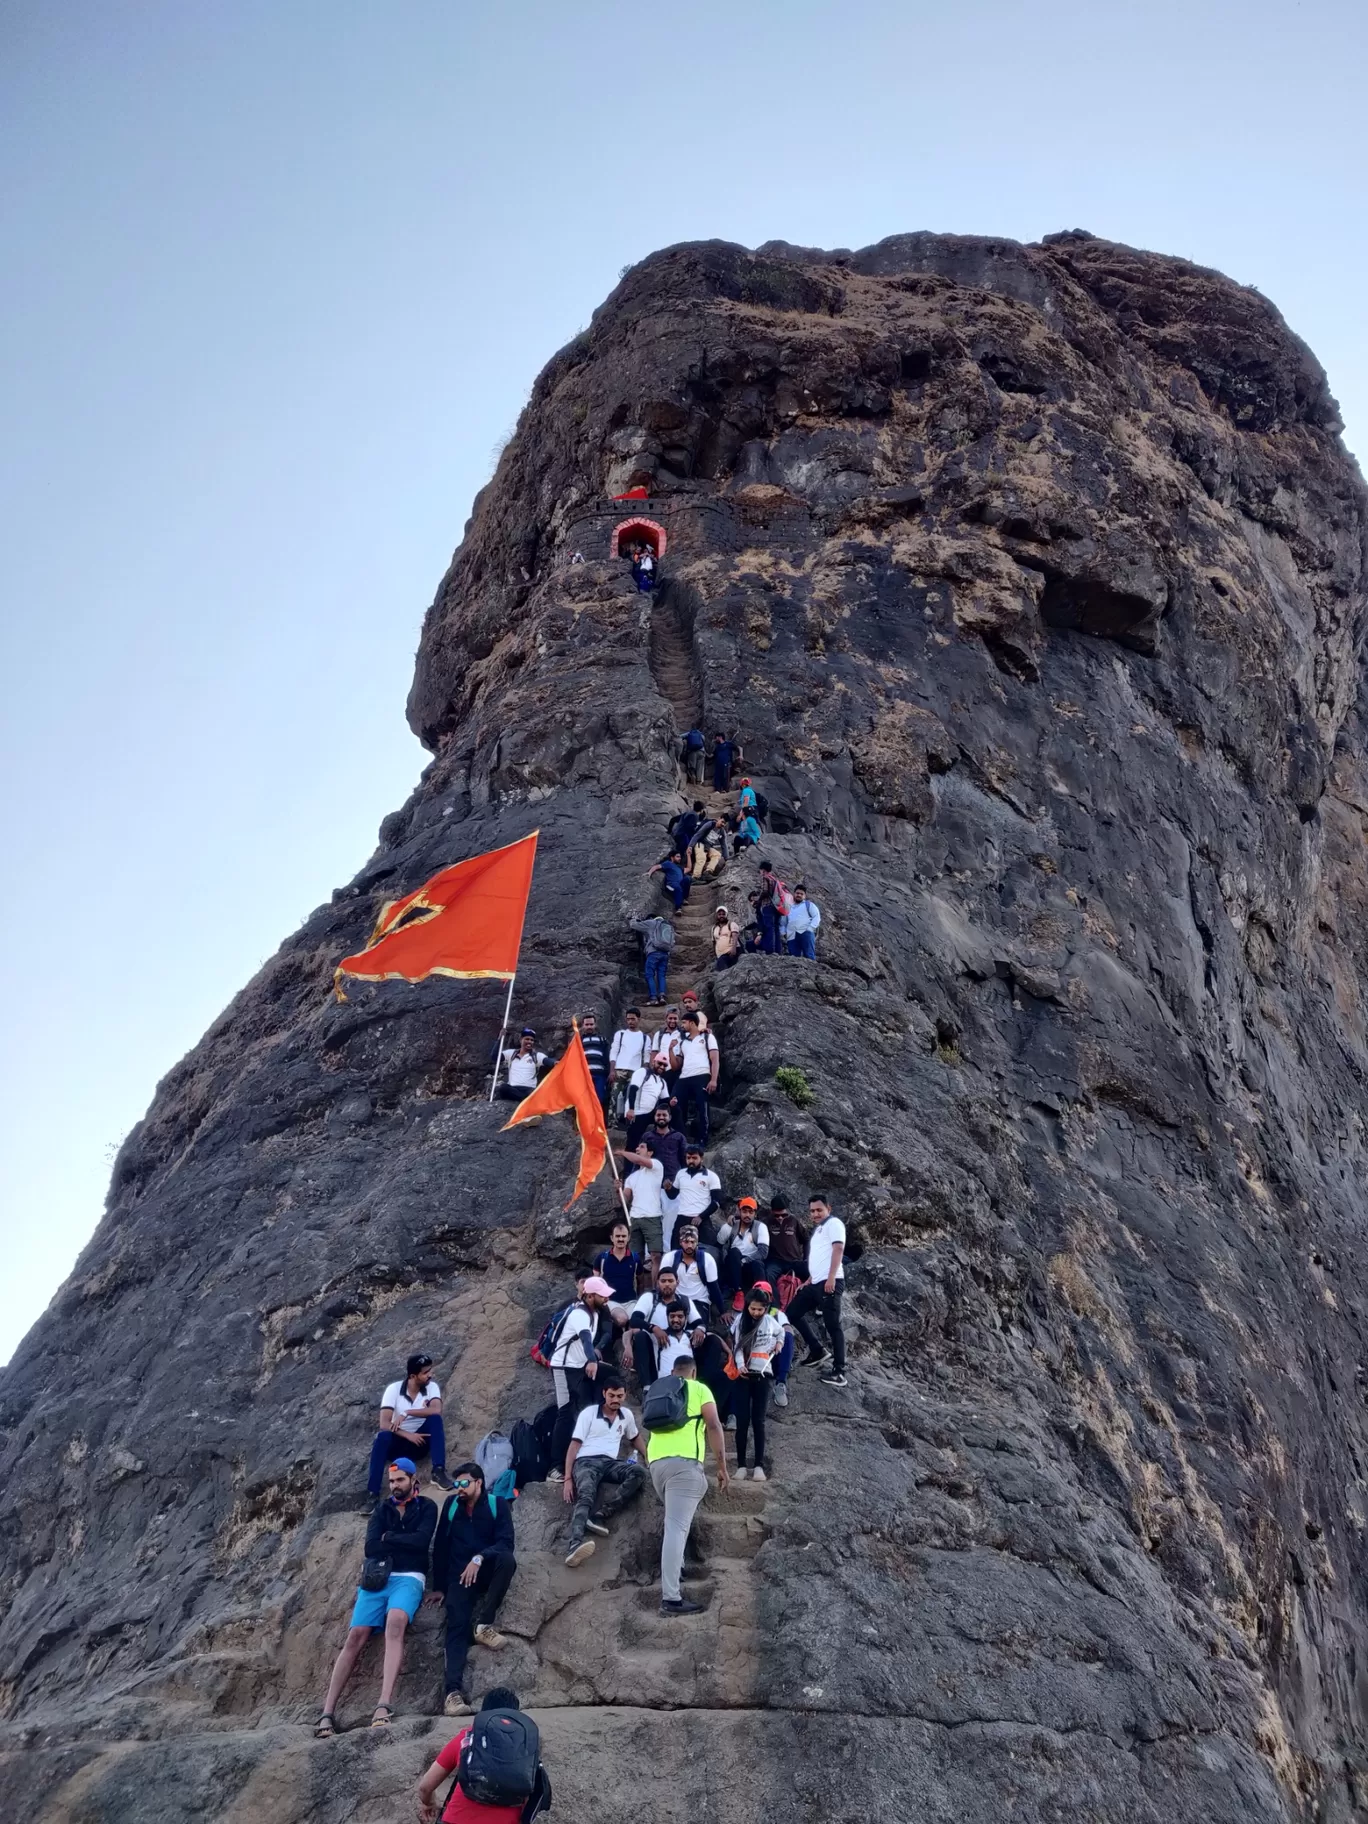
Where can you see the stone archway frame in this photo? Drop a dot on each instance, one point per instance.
(638, 524)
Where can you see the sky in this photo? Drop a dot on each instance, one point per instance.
(275, 281)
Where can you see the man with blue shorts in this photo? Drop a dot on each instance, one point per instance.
(401, 1530)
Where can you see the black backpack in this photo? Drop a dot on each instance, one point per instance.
(761, 807)
(665, 1406)
(529, 1459)
(498, 1764)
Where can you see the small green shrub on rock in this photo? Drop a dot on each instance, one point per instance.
(795, 1085)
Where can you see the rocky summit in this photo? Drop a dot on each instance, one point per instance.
(1032, 580)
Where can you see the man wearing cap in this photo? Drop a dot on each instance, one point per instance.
(674, 1461)
(694, 1267)
(472, 1567)
(744, 1242)
(400, 1529)
(521, 1068)
(575, 1362)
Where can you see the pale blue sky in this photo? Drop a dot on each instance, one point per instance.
(274, 282)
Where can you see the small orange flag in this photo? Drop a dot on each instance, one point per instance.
(467, 921)
(569, 1085)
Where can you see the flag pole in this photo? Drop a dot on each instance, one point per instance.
(503, 1030)
(622, 1195)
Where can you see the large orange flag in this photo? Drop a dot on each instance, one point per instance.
(569, 1085)
(467, 921)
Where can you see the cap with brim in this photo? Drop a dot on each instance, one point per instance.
(747, 1203)
(762, 1288)
(598, 1288)
(407, 1464)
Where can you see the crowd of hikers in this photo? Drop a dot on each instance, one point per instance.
(683, 1333)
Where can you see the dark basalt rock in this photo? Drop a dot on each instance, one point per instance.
(1033, 578)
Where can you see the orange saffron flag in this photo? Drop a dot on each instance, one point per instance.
(467, 921)
(569, 1085)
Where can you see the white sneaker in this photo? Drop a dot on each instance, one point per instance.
(731, 1421)
(581, 1552)
(758, 1475)
(781, 1393)
(739, 1475)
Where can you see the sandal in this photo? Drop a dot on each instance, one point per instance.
(384, 1716)
(325, 1726)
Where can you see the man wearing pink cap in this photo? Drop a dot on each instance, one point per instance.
(575, 1362)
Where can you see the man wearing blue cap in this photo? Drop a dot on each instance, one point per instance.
(400, 1530)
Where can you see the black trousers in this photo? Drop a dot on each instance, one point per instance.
(750, 1403)
(476, 1606)
(814, 1297)
(579, 1394)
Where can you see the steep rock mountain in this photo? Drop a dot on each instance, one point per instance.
(1032, 578)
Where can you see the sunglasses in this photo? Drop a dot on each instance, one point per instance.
(463, 1482)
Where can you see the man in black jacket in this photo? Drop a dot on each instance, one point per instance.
(472, 1567)
(400, 1529)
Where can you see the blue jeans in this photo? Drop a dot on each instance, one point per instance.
(693, 1096)
(674, 883)
(784, 1360)
(805, 944)
(391, 1444)
(657, 962)
(769, 929)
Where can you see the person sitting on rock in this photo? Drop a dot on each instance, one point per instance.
(626, 1054)
(696, 1198)
(521, 1068)
(697, 1076)
(694, 1267)
(744, 1245)
(675, 1456)
(682, 828)
(643, 1190)
(400, 1530)
(799, 924)
(473, 1564)
(711, 839)
(757, 1336)
(620, 1266)
(648, 1090)
(576, 1359)
(745, 831)
(657, 939)
(592, 1465)
(460, 1807)
(726, 940)
(410, 1425)
(663, 1326)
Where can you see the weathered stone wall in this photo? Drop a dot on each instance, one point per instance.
(1033, 578)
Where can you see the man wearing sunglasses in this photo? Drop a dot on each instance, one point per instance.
(472, 1567)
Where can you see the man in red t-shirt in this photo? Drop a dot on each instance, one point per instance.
(461, 1810)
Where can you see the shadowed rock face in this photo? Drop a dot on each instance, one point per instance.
(1033, 579)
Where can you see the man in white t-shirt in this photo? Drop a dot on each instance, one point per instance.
(592, 1465)
(410, 1423)
(663, 1326)
(697, 1076)
(626, 1054)
(576, 1361)
(826, 1283)
(697, 1196)
(642, 1188)
(521, 1068)
(694, 1268)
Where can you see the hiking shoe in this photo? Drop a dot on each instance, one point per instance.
(758, 1474)
(585, 1549)
(780, 1393)
(489, 1637)
(597, 1526)
(834, 1378)
(740, 1473)
(731, 1421)
(811, 1361)
(681, 1607)
(440, 1479)
(455, 1705)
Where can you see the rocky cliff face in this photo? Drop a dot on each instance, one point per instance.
(1033, 580)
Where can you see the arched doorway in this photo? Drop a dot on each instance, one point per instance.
(638, 532)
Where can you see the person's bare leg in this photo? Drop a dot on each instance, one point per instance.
(346, 1663)
(396, 1626)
